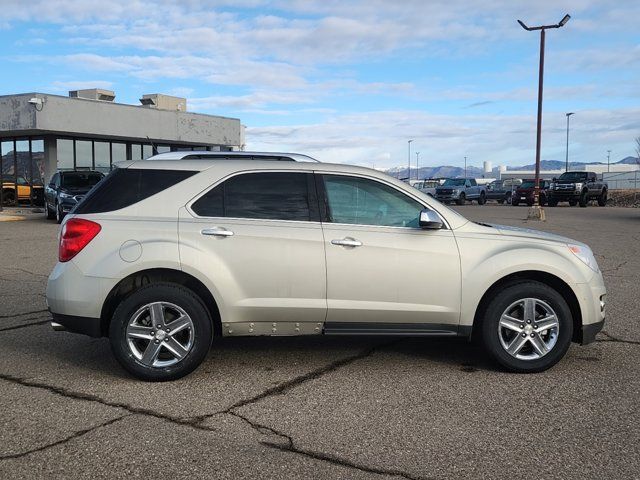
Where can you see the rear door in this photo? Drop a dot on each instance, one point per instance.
(258, 238)
(384, 273)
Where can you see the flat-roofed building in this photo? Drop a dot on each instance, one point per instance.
(42, 133)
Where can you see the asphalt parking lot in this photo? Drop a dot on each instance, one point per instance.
(322, 407)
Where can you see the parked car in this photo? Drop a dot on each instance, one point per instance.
(460, 190)
(164, 256)
(66, 189)
(19, 189)
(426, 186)
(500, 190)
(578, 188)
(526, 192)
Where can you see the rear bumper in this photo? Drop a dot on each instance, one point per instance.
(84, 325)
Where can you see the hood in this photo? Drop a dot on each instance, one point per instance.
(76, 190)
(534, 234)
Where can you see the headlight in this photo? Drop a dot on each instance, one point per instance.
(578, 186)
(65, 195)
(585, 254)
(552, 185)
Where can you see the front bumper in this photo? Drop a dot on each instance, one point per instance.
(592, 299)
(447, 196)
(564, 194)
(67, 204)
(590, 331)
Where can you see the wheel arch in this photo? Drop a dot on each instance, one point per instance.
(543, 277)
(141, 278)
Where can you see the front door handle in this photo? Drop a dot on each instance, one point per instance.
(347, 242)
(216, 232)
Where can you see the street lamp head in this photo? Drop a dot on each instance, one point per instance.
(569, 114)
(564, 20)
(523, 25)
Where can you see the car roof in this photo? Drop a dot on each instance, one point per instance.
(235, 155)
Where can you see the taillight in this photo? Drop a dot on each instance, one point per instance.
(76, 234)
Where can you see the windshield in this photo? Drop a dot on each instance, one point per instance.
(80, 180)
(529, 184)
(573, 176)
(453, 182)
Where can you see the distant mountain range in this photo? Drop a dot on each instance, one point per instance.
(448, 171)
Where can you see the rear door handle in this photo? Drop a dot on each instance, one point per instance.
(216, 232)
(347, 242)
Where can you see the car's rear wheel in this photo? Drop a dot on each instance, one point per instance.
(508, 198)
(527, 327)
(483, 199)
(161, 332)
(9, 198)
(572, 203)
(553, 202)
(515, 202)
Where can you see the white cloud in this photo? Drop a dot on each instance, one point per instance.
(62, 86)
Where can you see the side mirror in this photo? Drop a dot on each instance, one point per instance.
(555, 179)
(430, 220)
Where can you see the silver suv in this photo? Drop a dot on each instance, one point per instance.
(164, 255)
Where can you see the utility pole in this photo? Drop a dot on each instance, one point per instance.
(566, 168)
(608, 160)
(536, 212)
(417, 165)
(465, 167)
(409, 162)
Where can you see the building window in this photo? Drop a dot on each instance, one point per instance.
(118, 152)
(65, 154)
(147, 151)
(163, 148)
(84, 154)
(136, 151)
(102, 160)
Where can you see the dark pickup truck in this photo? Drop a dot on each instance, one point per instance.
(66, 189)
(577, 187)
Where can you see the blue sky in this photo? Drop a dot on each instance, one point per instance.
(352, 81)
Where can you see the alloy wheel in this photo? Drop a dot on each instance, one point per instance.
(160, 334)
(528, 329)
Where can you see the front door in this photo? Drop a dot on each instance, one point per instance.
(384, 273)
(258, 238)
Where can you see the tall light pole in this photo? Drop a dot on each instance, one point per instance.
(608, 160)
(409, 162)
(465, 167)
(417, 165)
(536, 213)
(566, 167)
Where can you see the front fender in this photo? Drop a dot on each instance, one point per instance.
(484, 263)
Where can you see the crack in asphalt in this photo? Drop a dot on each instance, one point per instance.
(33, 312)
(611, 338)
(28, 271)
(196, 422)
(24, 325)
(73, 436)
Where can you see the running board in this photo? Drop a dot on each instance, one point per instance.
(403, 329)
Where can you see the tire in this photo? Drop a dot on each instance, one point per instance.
(508, 198)
(515, 202)
(573, 203)
(501, 202)
(50, 215)
(602, 198)
(461, 199)
(497, 338)
(530, 203)
(583, 199)
(9, 198)
(194, 339)
(553, 202)
(483, 199)
(59, 214)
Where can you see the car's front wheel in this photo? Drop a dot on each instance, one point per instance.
(527, 327)
(161, 332)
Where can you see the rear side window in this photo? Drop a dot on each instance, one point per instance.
(126, 186)
(269, 196)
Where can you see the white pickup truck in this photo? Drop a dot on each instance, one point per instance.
(460, 190)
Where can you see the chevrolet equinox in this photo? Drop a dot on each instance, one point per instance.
(164, 255)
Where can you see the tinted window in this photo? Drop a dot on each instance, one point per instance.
(124, 187)
(271, 196)
(367, 202)
(573, 176)
(80, 180)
